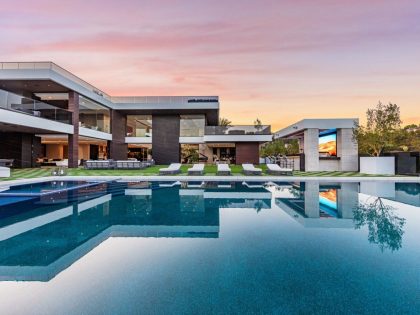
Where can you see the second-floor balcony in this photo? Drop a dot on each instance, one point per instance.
(18, 103)
(238, 130)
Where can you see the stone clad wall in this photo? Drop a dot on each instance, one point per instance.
(311, 140)
(347, 150)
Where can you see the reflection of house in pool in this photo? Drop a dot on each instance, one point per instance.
(237, 195)
(315, 205)
(38, 243)
(408, 193)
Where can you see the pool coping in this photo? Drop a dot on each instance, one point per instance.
(50, 192)
(186, 178)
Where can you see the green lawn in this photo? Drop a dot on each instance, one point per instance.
(154, 170)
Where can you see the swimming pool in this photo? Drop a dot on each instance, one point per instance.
(213, 248)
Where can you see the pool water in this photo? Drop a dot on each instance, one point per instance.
(213, 248)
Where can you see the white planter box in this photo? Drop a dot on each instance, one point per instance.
(381, 165)
(4, 171)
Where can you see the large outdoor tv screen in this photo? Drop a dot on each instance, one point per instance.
(328, 144)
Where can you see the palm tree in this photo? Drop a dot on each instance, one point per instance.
(224, 122)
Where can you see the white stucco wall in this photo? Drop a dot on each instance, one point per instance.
(384, 165)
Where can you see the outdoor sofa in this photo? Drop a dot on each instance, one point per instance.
(129, 164)
(99, 165)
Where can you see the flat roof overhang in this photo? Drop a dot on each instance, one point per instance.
(27, 87)
(4, 127)
(296, 130)
(211, 114)
(44, 77)
(237, 138)
(11, 121)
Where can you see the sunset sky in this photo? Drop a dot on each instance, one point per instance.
(277, 60)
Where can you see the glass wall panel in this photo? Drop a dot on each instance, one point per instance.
(140, 152)
(139, 125)
(94, 116)
(192, 125)
(189, 153)
(33, 107)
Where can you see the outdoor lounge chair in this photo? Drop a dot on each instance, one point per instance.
(223, 169)
(274, 169)
(250, 169)
(174, 168)
(197, 169)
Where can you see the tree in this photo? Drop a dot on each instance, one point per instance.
(383, 124)
(280, 147)
(385, 228)
(258, 124)
(224, 122)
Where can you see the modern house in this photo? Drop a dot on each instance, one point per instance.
(49, 114)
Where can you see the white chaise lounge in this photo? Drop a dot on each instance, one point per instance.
(223, 169)
(197, 169)
(174, 168)
(250, 169)
(274, 169)
(4, 171)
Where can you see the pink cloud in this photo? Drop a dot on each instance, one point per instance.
(317, 57)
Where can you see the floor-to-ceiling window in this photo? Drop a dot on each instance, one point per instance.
(139, 125)
(94, 116)
(192, 125)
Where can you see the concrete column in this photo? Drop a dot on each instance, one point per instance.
(347, 150)
(73, 140)
(347, 199)
(118, 148)
(311, 151)
(311, 195)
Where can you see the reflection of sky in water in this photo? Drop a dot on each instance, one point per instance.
(261, 261)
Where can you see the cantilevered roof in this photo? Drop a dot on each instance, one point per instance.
(322, 124)
(44, 77)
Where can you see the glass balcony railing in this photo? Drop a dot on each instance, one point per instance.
(164, 99)
(32, 107)
(237, 130)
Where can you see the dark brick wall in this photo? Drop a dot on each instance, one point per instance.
(117, 148)
(165, 140)
(73, 140)
(247, 152)
(23, 148)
